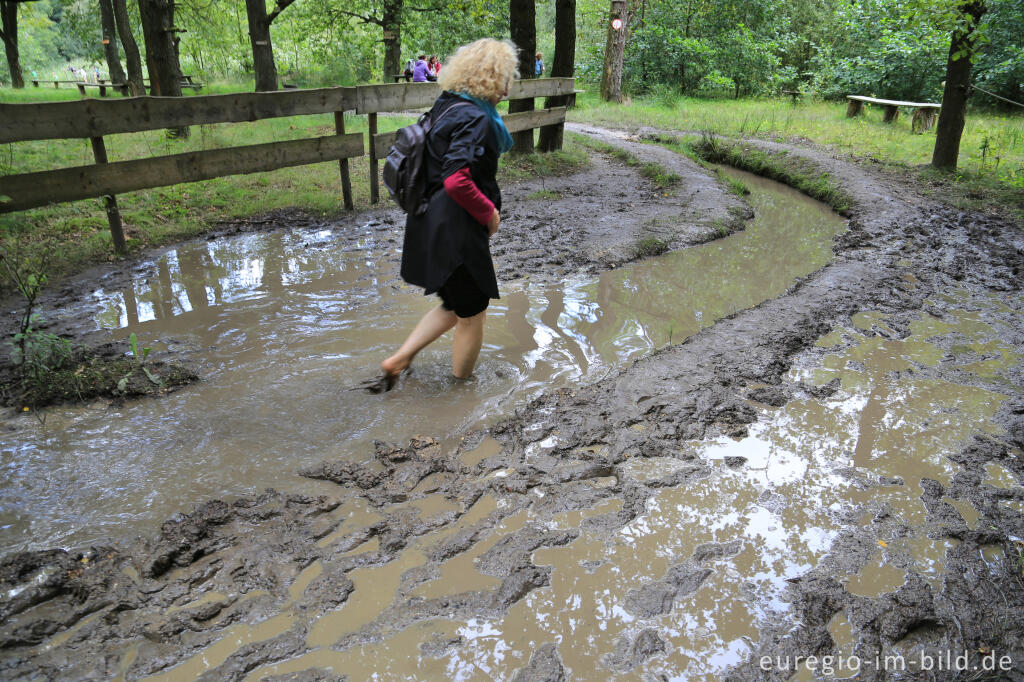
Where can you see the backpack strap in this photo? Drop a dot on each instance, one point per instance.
(434, 120)
(428, 126)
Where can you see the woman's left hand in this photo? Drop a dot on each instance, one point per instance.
(492, 224)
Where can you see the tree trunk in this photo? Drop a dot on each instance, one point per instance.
(562, 66)
(614, 52)
(131, 49)
(9, 33)
(162, 52)
(262, 49)
(954, 96)
(110, 42)
(391, 23)
(522, 15)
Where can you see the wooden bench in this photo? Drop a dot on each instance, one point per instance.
(924, 112)
(56, 83)
(794, 94)
(402, 76)
(102, 85)
(186, 84)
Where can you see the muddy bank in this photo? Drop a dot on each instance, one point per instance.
(560, 543)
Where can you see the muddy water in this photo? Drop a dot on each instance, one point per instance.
(283, 324)
(808, 470)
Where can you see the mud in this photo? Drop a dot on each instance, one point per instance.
(836, 470)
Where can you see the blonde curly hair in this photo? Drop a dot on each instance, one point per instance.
(484, 68)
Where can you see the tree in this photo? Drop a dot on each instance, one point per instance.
(158, 31)
(110, 42)
(958, 83)
(259, 37)
(614, 51)
(745, 60)
(389, 17)
(131, 49)
(522, 16)
(9, 34)
(562, 66)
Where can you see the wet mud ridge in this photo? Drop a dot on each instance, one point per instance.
(834, 472)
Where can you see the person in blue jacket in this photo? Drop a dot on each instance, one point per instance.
(446, 249)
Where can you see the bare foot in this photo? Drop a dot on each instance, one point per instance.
(394, 365)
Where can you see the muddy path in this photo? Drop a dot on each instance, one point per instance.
(833, 472)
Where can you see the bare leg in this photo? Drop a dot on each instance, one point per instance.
(430, 326)
(469, 337)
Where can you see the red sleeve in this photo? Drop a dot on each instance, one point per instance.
(465, 193)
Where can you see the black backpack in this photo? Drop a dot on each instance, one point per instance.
(405, 172)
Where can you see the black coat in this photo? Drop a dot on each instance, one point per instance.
(446, 236)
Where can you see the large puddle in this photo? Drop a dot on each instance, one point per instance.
(683, 591)
(283, 324)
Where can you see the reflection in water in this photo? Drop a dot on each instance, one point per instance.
(283, 323)
(807, 466)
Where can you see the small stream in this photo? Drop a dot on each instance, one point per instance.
(283, 324)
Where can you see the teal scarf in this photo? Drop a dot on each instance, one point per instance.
(497, 125)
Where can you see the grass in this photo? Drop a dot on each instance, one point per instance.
(790, 170)
(548, 194)
(734, 185)
(168, 214)
(649, 246)
(991, 150)
(517, 167)
(658, 175)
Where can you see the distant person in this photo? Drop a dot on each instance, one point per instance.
(539, 65)
(446, 249)
(97, 74)
(434, 65)
(409, 66)
(420, 70)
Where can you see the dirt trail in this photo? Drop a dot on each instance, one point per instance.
(511, 554)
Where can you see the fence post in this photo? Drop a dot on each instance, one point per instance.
(346, 182)
(374, 189)
(99, 151)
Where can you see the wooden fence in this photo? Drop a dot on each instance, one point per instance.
(94, 119)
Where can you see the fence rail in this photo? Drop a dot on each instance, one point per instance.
(94, 119)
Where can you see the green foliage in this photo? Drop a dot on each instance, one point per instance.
(35, 352)
(880, 54)
(140, 354)
(38, 353)
(888, 48)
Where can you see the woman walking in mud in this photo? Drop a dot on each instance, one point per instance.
(446, 249)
